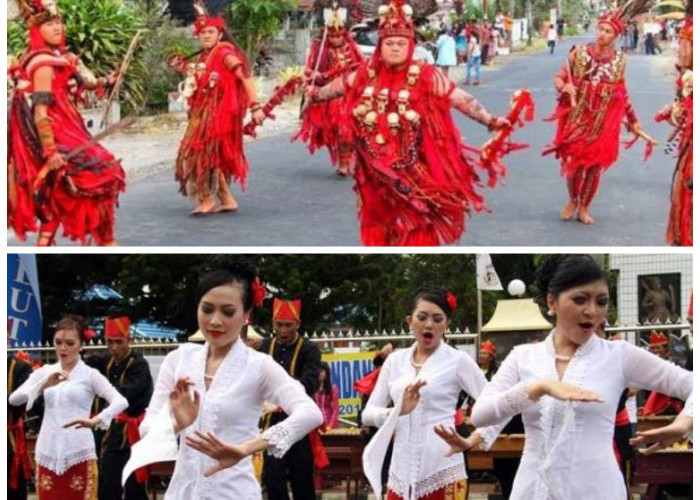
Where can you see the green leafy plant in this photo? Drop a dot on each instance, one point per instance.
(255, 21)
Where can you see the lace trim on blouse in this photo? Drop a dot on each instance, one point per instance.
(280, 440)
(61, 465)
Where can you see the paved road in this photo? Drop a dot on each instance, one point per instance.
(294, 199)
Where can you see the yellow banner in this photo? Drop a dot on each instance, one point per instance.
(346, 369)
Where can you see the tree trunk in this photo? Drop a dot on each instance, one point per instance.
(529, 22)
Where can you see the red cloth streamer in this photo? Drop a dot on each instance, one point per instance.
(366, 384)
(278, 96)
(20, 458)
(133, 436)
(498, 147)
(320, 456)
(659, 403)
(648, 150)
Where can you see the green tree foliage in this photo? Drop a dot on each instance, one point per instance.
(254, 21)
(360, 291)
(99, 31)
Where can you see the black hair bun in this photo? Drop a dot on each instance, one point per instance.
(543, 276)
(232, 264)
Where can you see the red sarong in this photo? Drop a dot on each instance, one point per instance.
(77, 483)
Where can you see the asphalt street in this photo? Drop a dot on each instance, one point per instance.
(294, 199)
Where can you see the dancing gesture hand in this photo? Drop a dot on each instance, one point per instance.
(457, 443)
(411, 397)
(664, 436)
(55, 379)
(566, 392)
(227, 455)
(90, 423)
(184, 406)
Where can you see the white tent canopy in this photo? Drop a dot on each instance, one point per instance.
(517, 315)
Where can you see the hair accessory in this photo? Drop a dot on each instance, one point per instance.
(452, 301)
(259, 291)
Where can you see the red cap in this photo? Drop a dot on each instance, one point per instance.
(657, 338)
(489, 347)
(117, 328)
(286, 309)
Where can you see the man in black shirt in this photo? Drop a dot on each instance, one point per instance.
(302, 360)
(18, 461)
(129, 373)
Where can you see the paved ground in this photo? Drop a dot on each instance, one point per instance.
(294, 199)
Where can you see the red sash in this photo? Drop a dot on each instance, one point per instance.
(20, 458)
(319, 452)
(133, 436)
(659, 403)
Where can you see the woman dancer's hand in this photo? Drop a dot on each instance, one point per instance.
(90, 423)
(411, 397)
(227, 455)
(457, 443)
(55, 379)
(664, 436)
(561, 391)
(185, 408)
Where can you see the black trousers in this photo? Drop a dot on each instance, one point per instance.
(297, 465)
(112, 464)
(21, 492)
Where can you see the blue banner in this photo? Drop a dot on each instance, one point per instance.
(23, 303)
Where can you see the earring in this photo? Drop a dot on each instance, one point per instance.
(551, 313)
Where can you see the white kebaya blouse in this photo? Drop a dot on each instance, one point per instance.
(418, 462)
(569, 446)
(58, 449)
(230, 409)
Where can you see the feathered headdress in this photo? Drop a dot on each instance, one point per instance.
(618, 18)
(334, 18)
(396, 19)
(35, 12)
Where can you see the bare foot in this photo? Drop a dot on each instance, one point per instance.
(584, 216)
(568, 211)
(110, 244)
(204, 207)
(229, 206)
(45, 240)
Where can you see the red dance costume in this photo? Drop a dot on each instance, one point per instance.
(415, 179)
(81, 195)
(320, 126)
(680, 221)
(213, 142)
(587, 140)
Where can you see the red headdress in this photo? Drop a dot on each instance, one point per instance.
(35, 12)
(617, 19)
(396, 19)
(657, 338)
(288, 310)
(204, 20)
(117, 328)
(489, 347)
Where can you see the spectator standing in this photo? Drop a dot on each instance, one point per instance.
(551, 39)
(473, 59)
(447, 52)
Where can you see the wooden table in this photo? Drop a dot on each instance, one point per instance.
(344, 448)
(505, 446)
(664, 467)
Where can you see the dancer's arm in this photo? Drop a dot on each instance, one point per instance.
(376, 411)
(34, 386)
(336, 88)
(645, 370)
(117, 403)
(466, 103)
(234, 64)
(42, 98)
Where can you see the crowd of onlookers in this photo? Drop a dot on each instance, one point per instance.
(472, 43)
